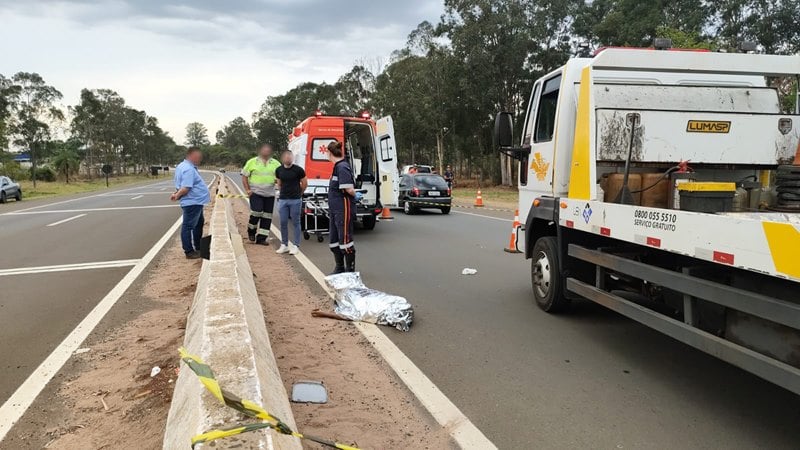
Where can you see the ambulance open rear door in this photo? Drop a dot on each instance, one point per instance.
(387, 161)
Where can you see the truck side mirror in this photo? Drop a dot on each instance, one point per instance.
(503, 130)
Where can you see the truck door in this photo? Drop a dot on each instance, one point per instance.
(540, 135)
(387, 161)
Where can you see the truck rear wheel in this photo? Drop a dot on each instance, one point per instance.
(548, 287)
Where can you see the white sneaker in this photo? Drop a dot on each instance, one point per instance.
(293, 249)
(282, 250)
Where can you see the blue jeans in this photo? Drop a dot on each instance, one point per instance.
(290, 208)
(192, 228)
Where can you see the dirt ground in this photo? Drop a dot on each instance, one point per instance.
(368, 406)
(104, 397)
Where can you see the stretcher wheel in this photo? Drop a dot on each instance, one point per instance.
(320, 238)
(306, 235)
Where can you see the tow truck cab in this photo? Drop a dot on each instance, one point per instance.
(665, 185)
(369, 147)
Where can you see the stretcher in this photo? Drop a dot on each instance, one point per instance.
(316, 213)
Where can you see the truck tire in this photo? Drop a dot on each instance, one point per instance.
(368, 222)
(548, 287)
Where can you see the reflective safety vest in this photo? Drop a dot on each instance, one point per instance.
(261, 175)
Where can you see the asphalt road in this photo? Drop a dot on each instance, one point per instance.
(589, 379)
(106, 231)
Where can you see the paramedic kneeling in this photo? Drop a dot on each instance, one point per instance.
(342, 197)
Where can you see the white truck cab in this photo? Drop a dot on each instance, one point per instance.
(672, 176)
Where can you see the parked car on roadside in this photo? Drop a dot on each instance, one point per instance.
(9, 189)
(424, 191)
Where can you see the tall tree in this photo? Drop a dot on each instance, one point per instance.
(237, 135)
(36, 111)
(8, 97)
(770, 23)
(636, 23)
(196, 135)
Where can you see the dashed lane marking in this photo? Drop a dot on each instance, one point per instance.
(66, 220)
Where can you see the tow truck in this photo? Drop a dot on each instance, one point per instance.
(665, 185)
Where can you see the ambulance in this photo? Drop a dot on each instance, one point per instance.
(369, 147)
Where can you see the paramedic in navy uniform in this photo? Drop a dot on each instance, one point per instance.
(342, 198)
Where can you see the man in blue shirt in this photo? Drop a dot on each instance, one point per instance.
(192, 193)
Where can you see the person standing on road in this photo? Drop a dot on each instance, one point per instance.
(192, 193)
(449, 176)
(258, 179)
(292, 182)
(342, 197)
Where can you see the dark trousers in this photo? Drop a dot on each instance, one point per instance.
(260, 217)
(192, 228)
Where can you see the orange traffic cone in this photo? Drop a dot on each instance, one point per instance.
(479, 200)
(386, 214)
(513, 243)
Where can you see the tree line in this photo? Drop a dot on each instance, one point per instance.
(482, 56)
(100, 130)
(442, 88)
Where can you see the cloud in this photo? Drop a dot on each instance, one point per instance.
(200, 60)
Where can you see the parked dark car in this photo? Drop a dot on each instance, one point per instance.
(9, 189)
(424, 191)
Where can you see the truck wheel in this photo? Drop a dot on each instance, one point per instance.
(548, 289)
(368, 222)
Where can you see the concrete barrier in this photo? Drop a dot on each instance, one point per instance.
(226, 328)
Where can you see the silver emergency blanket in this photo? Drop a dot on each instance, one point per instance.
(356, 301)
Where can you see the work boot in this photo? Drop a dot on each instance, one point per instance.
(350, 261)
(338, 256)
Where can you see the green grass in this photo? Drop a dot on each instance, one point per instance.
(499, 195)
(57, 188)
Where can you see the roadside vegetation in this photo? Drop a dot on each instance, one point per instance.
(46, 189)
(442, 88)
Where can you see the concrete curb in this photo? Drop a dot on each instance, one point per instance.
(226, 328)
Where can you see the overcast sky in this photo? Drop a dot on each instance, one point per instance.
(201, 60)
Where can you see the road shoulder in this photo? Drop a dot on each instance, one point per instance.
(105, 397)
(369, 406)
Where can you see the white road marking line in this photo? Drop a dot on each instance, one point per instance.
(66, 220)
(164, 188)
(69, 267)
(68, 201)
(117, 208)
(26, 393)
(132, 193)
(461, 429)
(137, 197)
(481, 215)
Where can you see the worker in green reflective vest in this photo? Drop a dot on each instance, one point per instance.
(258, 179)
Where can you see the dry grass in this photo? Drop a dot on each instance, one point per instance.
(53, 189)
(501, 196)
